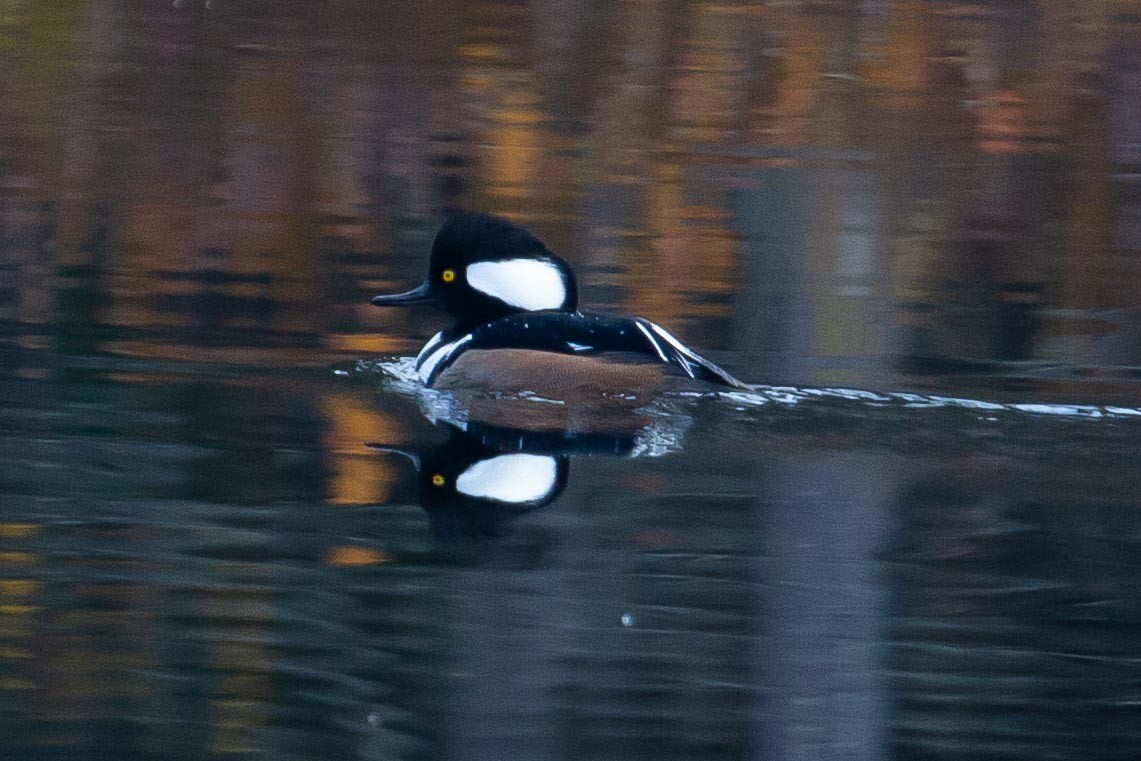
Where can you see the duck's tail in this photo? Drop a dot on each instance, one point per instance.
(674, 352)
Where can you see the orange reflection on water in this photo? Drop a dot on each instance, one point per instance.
(352, 555)
(223, 176)
(358, 476)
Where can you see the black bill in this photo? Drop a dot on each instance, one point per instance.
(420, 295)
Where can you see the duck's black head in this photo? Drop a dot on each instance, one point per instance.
(469, 488)
(484, 267)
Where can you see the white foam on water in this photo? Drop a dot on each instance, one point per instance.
(971, 404)
(656, 440)
(745, 398)
(1072, 410)
(855, 393)
(403, 373)
(792, 395)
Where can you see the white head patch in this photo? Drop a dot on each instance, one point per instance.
(528, 284)
(516, 478)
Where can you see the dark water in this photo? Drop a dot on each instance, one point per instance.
(202, 557)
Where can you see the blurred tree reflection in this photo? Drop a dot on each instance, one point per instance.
(261, 130)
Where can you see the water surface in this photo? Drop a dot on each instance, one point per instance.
(913, 225)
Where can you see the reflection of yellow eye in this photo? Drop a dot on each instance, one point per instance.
(448, 276)
(437, 480)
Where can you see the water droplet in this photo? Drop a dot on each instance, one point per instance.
(343, 373)
(627, 620)
(373, 719)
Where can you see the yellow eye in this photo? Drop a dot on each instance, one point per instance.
(448, 276)
(438, 480)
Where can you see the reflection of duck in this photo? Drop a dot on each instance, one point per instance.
(471, 489)
(518, 328)
(478, 481)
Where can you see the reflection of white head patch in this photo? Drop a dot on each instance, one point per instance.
(524, 283)
(509, 478)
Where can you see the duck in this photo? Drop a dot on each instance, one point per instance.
(470, 487)
(476, 479)
(518, 328)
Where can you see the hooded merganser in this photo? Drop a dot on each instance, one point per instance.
(469, 487)
(518, 327)
(480, 478)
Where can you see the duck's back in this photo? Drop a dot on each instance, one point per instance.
(559, 353)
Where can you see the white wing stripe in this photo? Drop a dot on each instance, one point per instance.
(653, 341)
(433, 342)
(424, 368)
(672, 341)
